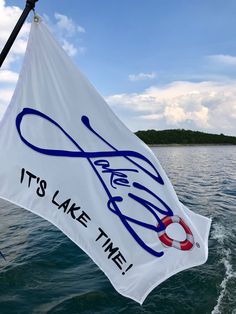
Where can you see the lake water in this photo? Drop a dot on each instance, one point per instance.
(45, 272)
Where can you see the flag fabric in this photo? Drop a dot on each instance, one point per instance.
(65, 156)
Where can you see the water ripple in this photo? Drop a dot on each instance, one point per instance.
(44, 272)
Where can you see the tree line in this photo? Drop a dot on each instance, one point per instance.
(181, 136)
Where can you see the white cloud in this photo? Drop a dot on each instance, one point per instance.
(64, 29)
(150, 117)
(69, 48)
(80, 29)
(8, 18)
(67, 24)
(82, 50)
(223, 59)
(67, 31)
(7, 76)
(5, 97)
(142, 76)
(209, 106)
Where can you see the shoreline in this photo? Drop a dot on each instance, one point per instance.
(207, 144)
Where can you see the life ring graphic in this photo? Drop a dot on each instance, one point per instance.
(185, 245)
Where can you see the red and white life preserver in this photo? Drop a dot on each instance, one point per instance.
(185, 245)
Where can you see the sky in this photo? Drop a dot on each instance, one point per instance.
(159, 64)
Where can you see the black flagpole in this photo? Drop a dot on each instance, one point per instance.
(30, 4)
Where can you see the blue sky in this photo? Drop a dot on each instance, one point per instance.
(160, 64)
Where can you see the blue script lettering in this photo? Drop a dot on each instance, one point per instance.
(122, 179)
(118, 177)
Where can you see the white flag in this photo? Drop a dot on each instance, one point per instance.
(66, 157)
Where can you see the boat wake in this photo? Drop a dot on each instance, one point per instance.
(220, 234)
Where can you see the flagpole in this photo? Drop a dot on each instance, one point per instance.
(30, 4)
